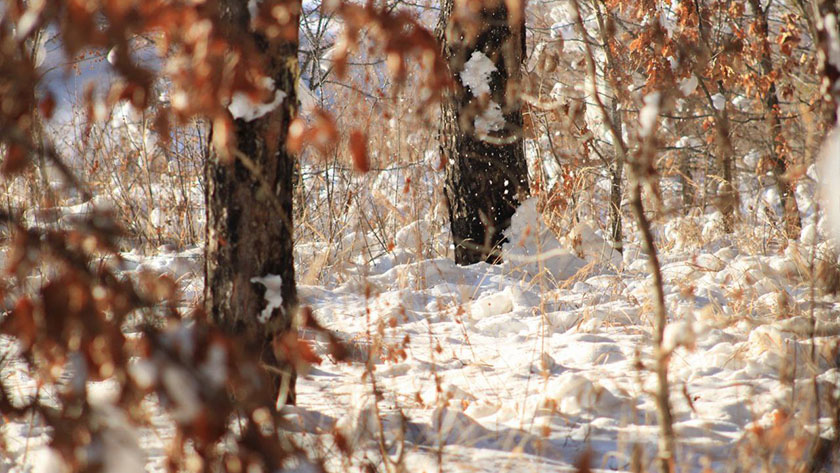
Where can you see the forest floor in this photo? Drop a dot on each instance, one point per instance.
(508, 368)
(544, 361)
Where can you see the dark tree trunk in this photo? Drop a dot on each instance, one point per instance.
(249, 211)
(486, 172)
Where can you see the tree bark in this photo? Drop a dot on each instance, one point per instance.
(486, 171)
(726, 195)
(790, 210)
(616, 170)
(617, 167)
(726, 198)
(249, 210)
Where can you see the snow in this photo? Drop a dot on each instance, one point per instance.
(273, 295)
(112, 56)
(526, 364)
(742, 103)
(688, 85)
(832, 29)
(308, 100)
(27, 22)
(679, 333)
(830, 182)
(183, 393)
(243, 107)
(590, 244)
(490, 119)
(143, 372)
(476, 77)
(565, 26)
(550, 368)
(253, 8)
(649, 113)
(215, 367)
(668, 18)
(476, 74)
(533, 248)
(126, 118)
(719, 101)
(413, 236)
(688, 142)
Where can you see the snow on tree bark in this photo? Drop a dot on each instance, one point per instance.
(249, 208)
(481, 127)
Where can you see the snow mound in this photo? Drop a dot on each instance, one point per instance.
(590, 245)
(574, 393)
(533, 248)
(457, 428)
(591, 353)
(500, 326)
(492, 304)
(413, 236)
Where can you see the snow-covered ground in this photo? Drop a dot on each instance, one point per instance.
(530, 364)
(507, 370)
(527, 365)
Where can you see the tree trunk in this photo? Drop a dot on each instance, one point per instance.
(249, 211)
(790, 210)
(617, 169)
(486, 171)
(685, 181)
(726, 198)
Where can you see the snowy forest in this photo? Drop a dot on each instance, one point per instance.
(419, 236)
